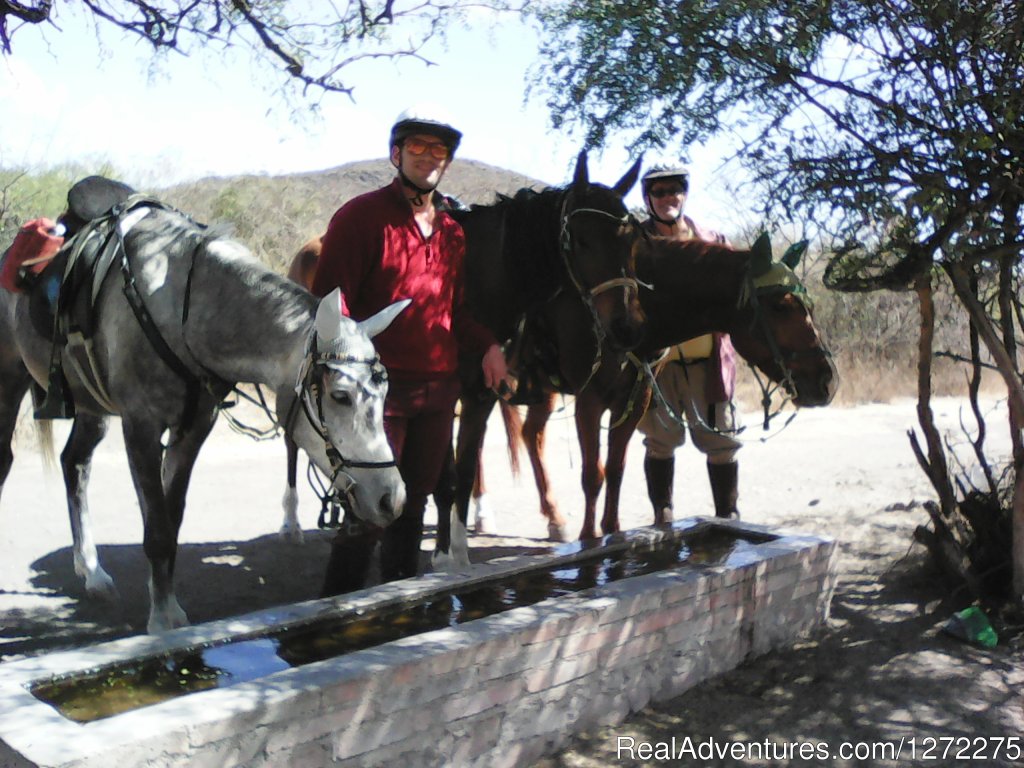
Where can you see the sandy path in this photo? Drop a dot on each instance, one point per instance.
(880, 670)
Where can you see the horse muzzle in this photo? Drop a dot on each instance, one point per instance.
(379, 500)
(818, 389)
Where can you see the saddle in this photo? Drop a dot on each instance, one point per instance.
(533, 358)
(62, 298)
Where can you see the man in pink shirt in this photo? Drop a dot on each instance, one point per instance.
(696, 378)
(395, 243)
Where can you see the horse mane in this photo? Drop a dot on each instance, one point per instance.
(216, 244)
(663, 257)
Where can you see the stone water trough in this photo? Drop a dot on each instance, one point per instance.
(512, 657)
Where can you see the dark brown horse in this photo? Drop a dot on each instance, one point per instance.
(575, 245)
(695, 288)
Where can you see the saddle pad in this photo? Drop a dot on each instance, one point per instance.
(34, 246)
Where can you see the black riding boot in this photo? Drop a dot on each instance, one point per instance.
(660, 474)
(400, 546)
(350, 561)
(725, 488)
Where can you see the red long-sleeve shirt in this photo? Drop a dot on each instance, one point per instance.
(374, 251)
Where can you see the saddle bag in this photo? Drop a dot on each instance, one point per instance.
(36, 243)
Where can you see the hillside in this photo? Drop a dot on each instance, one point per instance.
(274, 215)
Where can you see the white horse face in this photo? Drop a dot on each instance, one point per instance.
(353, 385)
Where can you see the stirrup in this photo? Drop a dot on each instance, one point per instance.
(54, 404)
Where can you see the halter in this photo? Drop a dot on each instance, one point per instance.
(309, 393)
(750, 294)
(629, 285)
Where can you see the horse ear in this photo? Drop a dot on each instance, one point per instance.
(328, 316)
(623, 185)
(371, 326)
(580, 179)
(794, 253)
(761, 255)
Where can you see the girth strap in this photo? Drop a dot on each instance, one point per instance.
(192, 382)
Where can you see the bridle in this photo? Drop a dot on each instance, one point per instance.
(753, 293)
(629, 285)
(309, 394)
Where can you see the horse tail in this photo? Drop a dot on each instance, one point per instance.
(513, 433)
(44, 434)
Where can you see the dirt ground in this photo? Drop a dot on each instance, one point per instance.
(878, 673)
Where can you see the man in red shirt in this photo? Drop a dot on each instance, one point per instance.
(399, 242)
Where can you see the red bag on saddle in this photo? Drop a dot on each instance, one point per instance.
(33, 247)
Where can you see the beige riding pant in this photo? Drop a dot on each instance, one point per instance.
(712, 425)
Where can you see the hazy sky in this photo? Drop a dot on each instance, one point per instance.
(67, 96)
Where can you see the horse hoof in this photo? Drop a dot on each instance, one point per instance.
(557, 533)
(663, 516)
(484, 522)
(100, 586)
(483, 516)
(171, 617)
(445, 562)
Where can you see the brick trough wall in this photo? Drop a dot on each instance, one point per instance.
(499, 691)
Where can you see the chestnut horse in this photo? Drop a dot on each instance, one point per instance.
(687, 289)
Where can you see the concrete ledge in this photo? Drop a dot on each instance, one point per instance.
(498, 691)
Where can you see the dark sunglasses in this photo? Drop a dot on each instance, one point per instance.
(661, 192)
(437, 150)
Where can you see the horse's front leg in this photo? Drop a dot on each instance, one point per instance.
(161, 482)
(452, 550)
(291, 530)
(588, 431)
(537, 416)
(615, 466)
(160, 537)
(76, 463)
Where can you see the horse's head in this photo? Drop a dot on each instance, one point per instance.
(598, 239)
(778, 335)
(342, 391)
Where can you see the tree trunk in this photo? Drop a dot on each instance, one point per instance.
(1006, 364)
(934, 463)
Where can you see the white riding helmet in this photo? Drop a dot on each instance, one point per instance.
(663, 173)
(425, 118)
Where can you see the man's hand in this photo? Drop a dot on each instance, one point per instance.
(495, 370)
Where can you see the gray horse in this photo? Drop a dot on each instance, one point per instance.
(227, 319)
